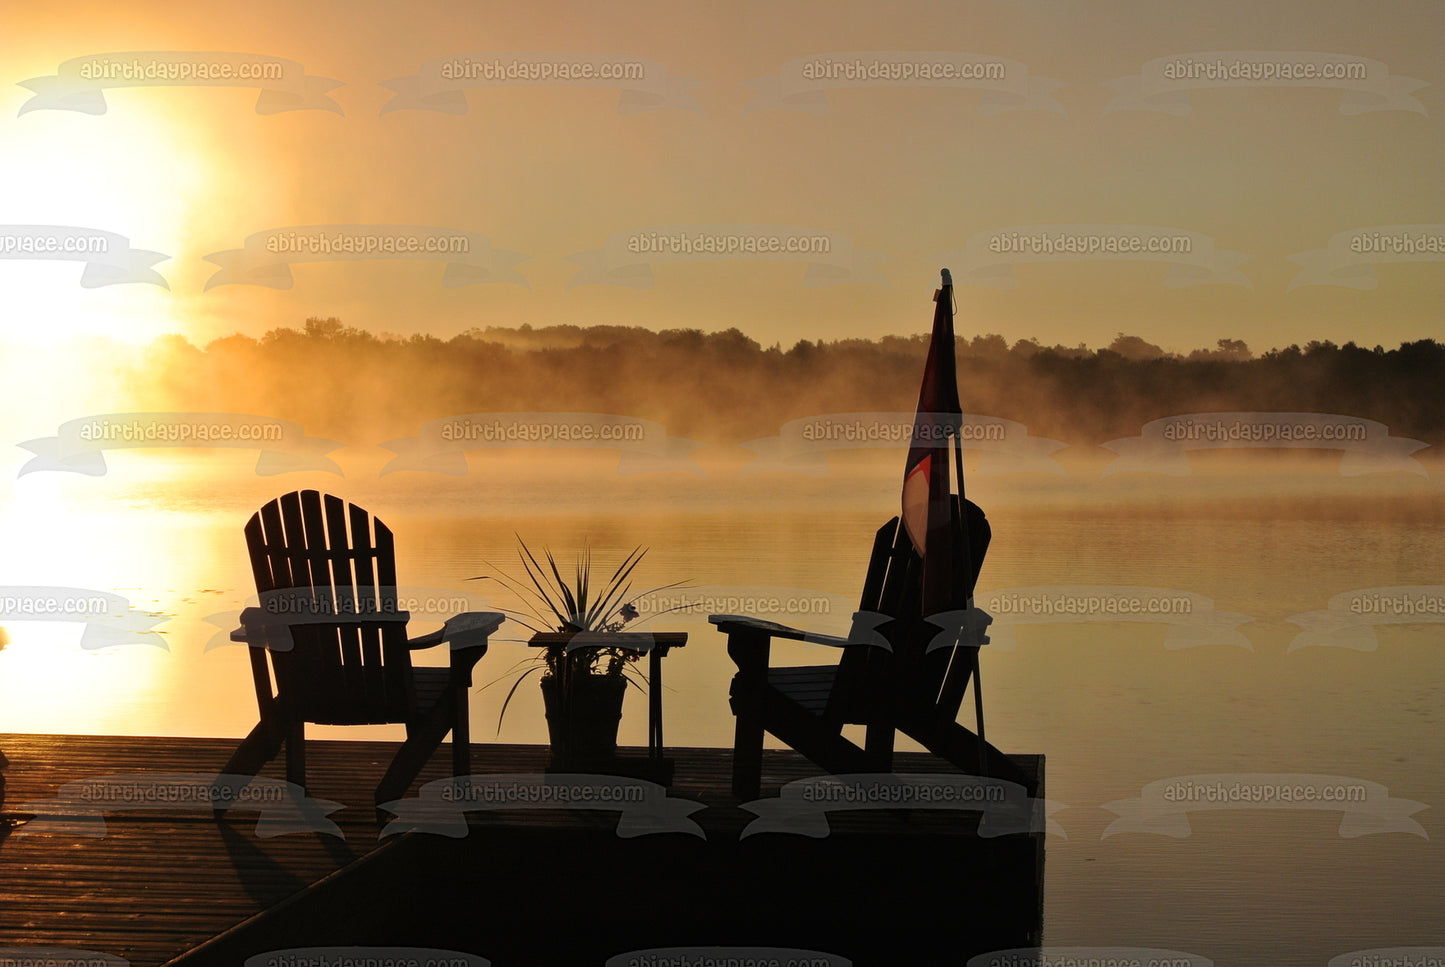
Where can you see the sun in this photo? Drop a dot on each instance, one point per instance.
(135, 174)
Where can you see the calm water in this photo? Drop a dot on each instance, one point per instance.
(1111, 706)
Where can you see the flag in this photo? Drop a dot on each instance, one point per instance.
(927, 497)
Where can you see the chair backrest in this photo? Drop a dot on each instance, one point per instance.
(870, 681)
(339, 560)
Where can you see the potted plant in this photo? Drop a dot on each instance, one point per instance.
(582, 689)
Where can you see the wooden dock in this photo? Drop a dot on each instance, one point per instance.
(522, 886)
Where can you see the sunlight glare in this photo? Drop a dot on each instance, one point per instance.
(138, 175)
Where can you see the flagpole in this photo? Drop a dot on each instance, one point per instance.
(958, 439)
(967, 555)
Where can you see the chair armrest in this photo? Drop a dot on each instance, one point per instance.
(733, 623)
(736, 623)
(469, 630)
(254, 622)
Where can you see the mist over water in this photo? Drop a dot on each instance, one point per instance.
(717, 388)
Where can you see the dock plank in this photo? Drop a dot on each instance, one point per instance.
(172, 885)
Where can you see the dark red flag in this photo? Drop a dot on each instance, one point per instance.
(927, 497)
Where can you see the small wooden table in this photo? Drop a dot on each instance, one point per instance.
(655, 767)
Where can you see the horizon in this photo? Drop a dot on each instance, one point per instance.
(1131, 346)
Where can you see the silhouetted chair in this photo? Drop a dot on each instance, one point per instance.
(909, 690)
(315, 561)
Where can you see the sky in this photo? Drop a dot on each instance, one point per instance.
(723, 139)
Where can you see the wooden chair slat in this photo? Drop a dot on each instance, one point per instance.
(329, 688)
(273, 572)
(959, 665)
(327, 518)
(351, 564)
(401, 688)
(377, 671)
(275, 564)
(289, 564)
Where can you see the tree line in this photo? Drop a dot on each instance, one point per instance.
(724, 386)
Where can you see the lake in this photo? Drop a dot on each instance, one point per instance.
(1115, 700)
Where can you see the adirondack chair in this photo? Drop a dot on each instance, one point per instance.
(909, 690)
(334, 559)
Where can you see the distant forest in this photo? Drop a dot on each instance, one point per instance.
(723, 387)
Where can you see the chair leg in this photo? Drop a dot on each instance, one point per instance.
(749, 651)
(748, 755)
(296, 755)
(953, 742)
(978, 716)
(256, 749)
(878, 744)
(461, 732)
(422, 739)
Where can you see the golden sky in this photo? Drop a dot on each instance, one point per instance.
(896, 178)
